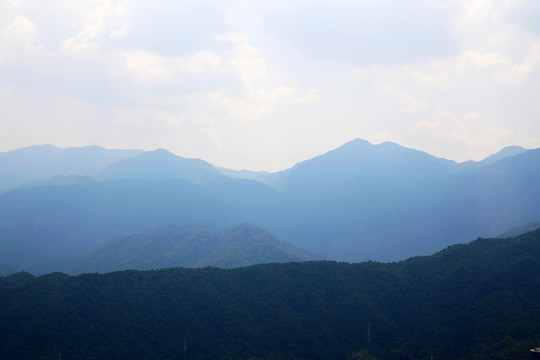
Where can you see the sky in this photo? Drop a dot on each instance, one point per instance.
(262, 85)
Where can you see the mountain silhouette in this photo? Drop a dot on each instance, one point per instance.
(159, 165)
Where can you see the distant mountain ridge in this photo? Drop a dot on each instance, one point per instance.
(161, 164)
(39, 162)
(192, 246)
(504, 153)
(361, 158)
(358, 202)
(386, 202)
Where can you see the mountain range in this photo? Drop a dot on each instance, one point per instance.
(28, 165)
(358, 202)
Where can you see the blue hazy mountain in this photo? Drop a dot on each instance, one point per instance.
(250, 198)
(387, 202)
(192, 246)
(359, 158)
(34, 163)
(254, 201)
(50, 228)
(358, 202)
(161, 164)
(506, 192)
(504, 153)
(244, 174)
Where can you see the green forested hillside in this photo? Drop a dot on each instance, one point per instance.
(192, 246)
(475, 301)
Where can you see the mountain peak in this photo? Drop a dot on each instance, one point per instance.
(505, 152)
(162, 151)
(161, 164)
(356, 144)
(359, 157)
(358, 141)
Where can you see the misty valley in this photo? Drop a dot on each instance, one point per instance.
(364, 252)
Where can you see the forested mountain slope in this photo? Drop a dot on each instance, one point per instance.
(192, 246)
(475, 301)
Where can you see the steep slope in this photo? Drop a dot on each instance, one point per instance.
(161, 164)
(30, 164)
(476, 301)
(50, 228)
(192, 246)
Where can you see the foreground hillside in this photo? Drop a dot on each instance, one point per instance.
(475, 301)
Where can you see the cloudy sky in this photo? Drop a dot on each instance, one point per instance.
(264, 84)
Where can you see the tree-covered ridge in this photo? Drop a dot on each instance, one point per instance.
(192, 246)
(475, 301)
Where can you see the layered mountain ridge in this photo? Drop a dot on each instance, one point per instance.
(358, 202)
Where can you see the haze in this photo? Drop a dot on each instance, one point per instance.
(263, 85)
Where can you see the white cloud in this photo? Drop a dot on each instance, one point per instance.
(21, 32)
(458, 78)
(520, 71)
(100, 18)
(409, 104)
(65, 121)
(471, 116)
(364, 32)
(146, 65)
(263, 89)
(483, 61)
(464, 134)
